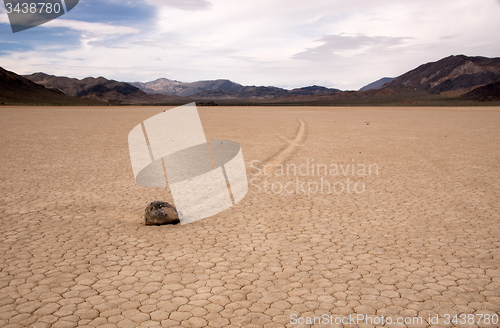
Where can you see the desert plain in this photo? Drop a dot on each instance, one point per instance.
(417, 236)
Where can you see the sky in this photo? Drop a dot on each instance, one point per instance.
(288, 44)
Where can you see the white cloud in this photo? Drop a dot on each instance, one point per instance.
(96, 30)
(343, 44)
(4, 19)
(337, 45)
(188, 5)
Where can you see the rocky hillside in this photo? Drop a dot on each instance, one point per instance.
(377, 84)
(15, 89)
(223, 89)
(489, 92)
(100, 89)
(250, 92)
(453, 75)
(185, 89)
(254, 92)
(312, 90)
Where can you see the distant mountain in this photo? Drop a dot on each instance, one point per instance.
(254, 92)
(100, 89)
(336, 96)
(222, 89)
(453, 80)
(453, 75)
(15, 89)
(185, 89)
(249, 92)
(312, 90)
(377, 84)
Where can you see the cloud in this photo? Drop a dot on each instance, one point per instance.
(336, 43)
(161, 41)
(348, 45)
(88, 29)
(4, 19)
(188, 5)
(105, 45)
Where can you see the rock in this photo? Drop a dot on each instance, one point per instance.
(158, 213)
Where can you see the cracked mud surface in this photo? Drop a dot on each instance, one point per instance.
(422, 239)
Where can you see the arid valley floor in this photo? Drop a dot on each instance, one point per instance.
(417, 236)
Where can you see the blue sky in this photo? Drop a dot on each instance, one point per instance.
(341, 44)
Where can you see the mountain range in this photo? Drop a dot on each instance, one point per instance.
(14, 89)
(450, 81)
(185, 89)
(223, 89)
(99, 89)
(454, 75)
(453, 80)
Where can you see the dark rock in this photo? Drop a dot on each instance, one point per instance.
(158, 213)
